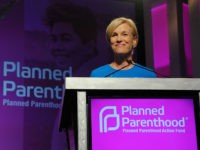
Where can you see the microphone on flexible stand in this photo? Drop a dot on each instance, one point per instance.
(117, 71)
(151, 70)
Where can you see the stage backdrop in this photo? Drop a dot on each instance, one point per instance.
(41, 43)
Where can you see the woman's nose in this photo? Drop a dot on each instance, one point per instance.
(119, 38)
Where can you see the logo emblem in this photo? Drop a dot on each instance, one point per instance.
(103, 119)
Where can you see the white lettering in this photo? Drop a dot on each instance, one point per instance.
(143, 111)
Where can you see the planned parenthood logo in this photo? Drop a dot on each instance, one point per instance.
(104, 116)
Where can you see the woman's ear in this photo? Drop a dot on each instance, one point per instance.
(135, 42)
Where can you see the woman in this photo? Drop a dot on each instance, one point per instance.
(122, 36)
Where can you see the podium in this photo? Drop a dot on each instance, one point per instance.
(136, 108)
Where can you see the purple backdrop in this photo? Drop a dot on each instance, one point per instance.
(34, 66)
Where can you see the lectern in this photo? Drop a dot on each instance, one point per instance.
(132, 113)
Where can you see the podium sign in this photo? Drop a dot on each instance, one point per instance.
(129, 123)
(132, 113)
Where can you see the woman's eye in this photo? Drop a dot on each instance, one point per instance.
(114, 35)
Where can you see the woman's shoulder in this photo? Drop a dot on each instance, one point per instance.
(145, 71)
(102, 67)
(100, 71)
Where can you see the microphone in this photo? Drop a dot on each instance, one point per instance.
(117, 70)
(151, 70)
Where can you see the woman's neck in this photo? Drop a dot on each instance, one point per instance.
(124, 64)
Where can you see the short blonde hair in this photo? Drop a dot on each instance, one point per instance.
(118, 21)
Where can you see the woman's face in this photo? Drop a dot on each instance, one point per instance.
(122, 40)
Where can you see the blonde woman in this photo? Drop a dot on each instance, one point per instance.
(122, 35)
